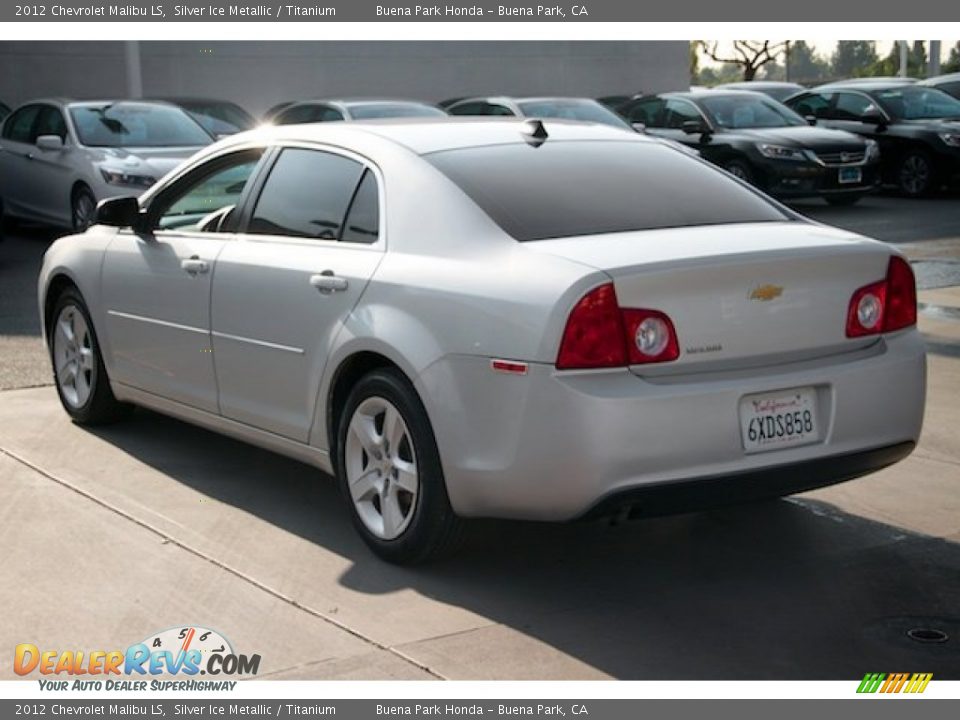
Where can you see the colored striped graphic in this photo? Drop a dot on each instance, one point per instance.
(895, 683)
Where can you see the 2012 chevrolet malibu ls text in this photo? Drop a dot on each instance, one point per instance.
(491, 318)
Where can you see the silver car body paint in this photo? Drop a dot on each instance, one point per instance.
(445, 290)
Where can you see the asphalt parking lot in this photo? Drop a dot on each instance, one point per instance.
(119, 532)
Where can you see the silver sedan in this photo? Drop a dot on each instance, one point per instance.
(58, 157)
(491, 318)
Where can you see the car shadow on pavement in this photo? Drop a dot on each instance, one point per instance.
(790, 589)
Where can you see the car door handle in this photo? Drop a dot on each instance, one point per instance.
(195, 266)
(326, 282)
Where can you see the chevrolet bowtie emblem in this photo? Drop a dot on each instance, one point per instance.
(765, 293)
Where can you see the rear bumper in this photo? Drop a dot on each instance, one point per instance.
(550, 445)
(747, 486)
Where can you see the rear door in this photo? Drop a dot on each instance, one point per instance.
(312, 240)
(156, 284)
(51, 179)
(16, 170)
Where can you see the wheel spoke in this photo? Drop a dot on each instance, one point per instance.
(363, 428)
(406, 477)
(86, 358)
(365, 486)
(65, 326)
(393, 429)
(390, 511)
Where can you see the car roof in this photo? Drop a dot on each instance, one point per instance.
(711, 93)
(865, 84)
(747, 84)
(428, 135)
(532, 98)
(949, 77)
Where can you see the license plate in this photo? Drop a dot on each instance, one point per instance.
(850, 175)
(771, 421)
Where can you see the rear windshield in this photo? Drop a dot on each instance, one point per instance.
(562, 189)
(394, 110)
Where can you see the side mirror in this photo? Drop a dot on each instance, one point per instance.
(873, 117)
(811, 119)
(694, 127)
(51, 143)
(118, 212)
(639, 127)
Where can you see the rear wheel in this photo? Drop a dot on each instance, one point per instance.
(915, 174)
(79, 373)
(83, 208)
(389, 471)
(842, 200)
(739, 169)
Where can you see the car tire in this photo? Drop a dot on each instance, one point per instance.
(83, 207)
(842, 200)
(78, 371)
(741, 170)
(915, 174)
(397, 494)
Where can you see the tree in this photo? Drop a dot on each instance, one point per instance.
(694, 62)
(804, 64)
(890, 65)
(748, 55)
(952, 64)
(853, 58)
(719, 75)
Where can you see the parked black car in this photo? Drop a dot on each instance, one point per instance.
(563, 108)
(917, 127)
(763, 142)
(218, 117)
(950, 84)
(779, 91)
(311, 111)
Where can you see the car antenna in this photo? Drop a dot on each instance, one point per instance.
(535, 133)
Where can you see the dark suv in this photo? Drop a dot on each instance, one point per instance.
(762, 142)
(917, 127)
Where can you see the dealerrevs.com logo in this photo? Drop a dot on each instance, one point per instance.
(182, 651)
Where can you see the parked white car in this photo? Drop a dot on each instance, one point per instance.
(491, 318)
(59, 158)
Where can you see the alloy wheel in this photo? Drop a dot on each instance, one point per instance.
(84, 210)
(915, 174)
(381, 468)
(73, 357)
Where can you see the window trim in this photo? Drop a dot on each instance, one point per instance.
(256, 189)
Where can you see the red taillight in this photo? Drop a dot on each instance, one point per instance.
(901, 310)
(600, 335)
(593, 337)
(884, 306)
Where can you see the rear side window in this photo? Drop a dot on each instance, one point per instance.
(363, 220)
(562, 189)
(306, 195)
(19, 125)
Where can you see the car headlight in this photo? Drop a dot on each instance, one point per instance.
(873, 150)
(118, 177)
(951, 138)
(781, 152)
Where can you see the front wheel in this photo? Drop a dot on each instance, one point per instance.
(740, 170)
(389, 472)
(915, 174)
(83, 209)
(79, 373)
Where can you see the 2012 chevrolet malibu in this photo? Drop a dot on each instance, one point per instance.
(491, 318)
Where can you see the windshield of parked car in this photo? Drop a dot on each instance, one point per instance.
(219, 118)
(567, 188)
(913, 102)
(583, 110)
(735, 111)
(372, 111)
(136, 125)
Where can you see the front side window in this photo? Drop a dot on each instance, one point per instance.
(205, 201)
(649, 112)
(851, 106)
(918, 103)
(19, 126)
(50, 122)
(137, 125)
(814, 104)
(677, 112)
(535, 193)
(306, 195)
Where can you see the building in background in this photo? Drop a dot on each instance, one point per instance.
(258, 75)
